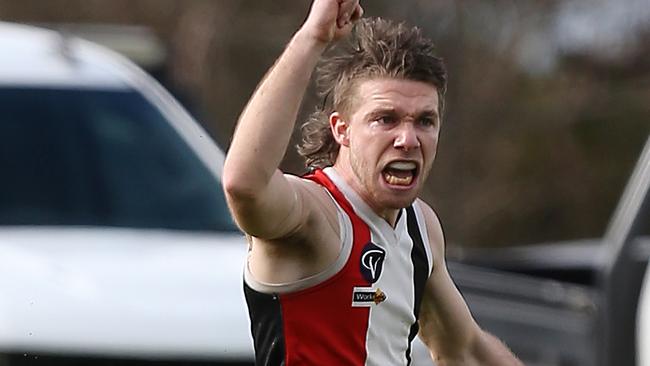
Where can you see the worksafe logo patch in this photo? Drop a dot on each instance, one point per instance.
(372, 262)
(367, 296)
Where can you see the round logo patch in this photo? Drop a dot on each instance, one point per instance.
(372, 262)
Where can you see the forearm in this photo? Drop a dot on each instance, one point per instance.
(484, 350)
(262, 200)
(489, 350)
(265, 126)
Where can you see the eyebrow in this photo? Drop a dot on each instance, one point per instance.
(429, 113)
(393, 111)
(381, 110)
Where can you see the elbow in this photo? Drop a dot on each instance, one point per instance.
(237, 186)
(242, 183)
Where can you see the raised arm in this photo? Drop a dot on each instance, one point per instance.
(446, 324)
(264, 202)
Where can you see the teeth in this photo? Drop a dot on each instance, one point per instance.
(402, 165)
(397, 181)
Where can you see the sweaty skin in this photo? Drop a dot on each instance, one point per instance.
(387, 146)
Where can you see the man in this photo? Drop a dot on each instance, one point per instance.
(346, 265)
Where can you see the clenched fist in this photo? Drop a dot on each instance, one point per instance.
(330, 20)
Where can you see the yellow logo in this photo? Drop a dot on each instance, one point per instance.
(379, 296)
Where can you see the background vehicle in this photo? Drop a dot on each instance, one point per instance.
(115, 242)
(571, 303)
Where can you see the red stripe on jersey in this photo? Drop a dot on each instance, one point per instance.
(320, 325)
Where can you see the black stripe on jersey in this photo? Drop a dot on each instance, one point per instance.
(266, 326)
(420, 271)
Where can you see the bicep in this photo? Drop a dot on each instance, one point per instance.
(446, 324)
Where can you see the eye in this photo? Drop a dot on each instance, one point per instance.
(386, 119)
(427, 121)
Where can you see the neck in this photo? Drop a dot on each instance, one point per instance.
(390, 217)
(388, 214)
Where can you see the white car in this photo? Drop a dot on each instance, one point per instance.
(115, 242)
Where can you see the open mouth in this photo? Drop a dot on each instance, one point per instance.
(400, 173)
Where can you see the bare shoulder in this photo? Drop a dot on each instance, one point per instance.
(434, 230)
(318, 227)
(309, 248)
(317, 205)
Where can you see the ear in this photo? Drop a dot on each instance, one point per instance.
(340, 129)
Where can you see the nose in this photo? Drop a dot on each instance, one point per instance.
(407, 137)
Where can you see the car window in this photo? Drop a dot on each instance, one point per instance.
(100, 157)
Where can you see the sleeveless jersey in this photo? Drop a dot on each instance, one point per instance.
(363, 309)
